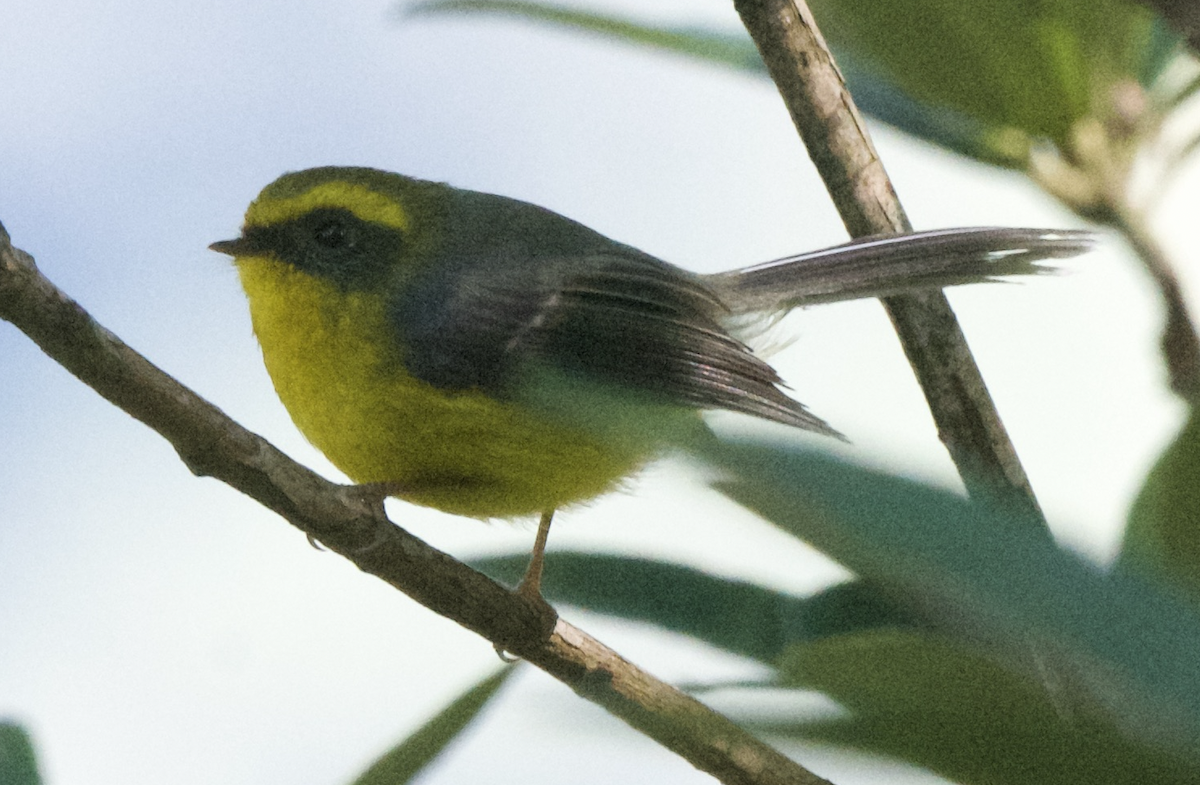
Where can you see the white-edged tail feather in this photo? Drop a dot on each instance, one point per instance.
(890, 264)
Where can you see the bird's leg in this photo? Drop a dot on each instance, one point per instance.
(531, 584)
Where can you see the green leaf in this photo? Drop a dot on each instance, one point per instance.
(1033, 66)
(732, 615)
(880, 97)
(986, 80)
(875, 93)
(18, 761)
(993, 580)
(729, 49)
(408, 758)
(1162, 536)
(926, 700)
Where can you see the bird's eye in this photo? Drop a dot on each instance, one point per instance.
(332, 234)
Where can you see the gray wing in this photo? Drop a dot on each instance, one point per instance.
(612, 317)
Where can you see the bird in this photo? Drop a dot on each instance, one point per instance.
(493, 359)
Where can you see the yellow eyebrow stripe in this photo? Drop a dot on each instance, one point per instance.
(368, 205)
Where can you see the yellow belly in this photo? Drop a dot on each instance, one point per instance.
(341, 378)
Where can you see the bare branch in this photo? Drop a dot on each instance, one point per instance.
(353, 524)
(833, 131)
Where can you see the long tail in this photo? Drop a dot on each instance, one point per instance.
(890, 264)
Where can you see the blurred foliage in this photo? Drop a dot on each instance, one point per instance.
(939, 70)
(971, 644)
(1035, 67)
(1162, 535)
(734, 615)
(410, 757)
(996, 586)
(933, 702)
(18, 761)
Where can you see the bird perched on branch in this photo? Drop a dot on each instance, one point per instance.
(493, 359)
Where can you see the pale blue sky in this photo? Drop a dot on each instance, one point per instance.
(157, 628)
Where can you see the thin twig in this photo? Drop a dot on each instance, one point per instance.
(1180, 344)
(1093, 177)
(833, 131)
(352, 523)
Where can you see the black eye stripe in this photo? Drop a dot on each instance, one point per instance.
(333, 243)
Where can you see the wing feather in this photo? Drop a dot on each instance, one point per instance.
(623, 319)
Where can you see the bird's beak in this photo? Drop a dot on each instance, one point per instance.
(229, 247)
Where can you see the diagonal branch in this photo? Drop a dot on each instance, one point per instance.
(833, 131)
(354, 525)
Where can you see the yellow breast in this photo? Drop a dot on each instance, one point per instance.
(339, 372)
